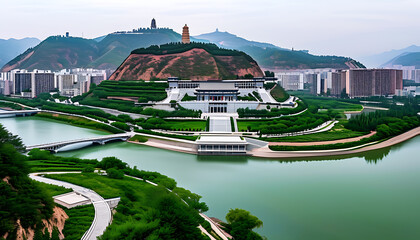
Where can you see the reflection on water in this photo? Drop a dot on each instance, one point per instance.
(225, 159)
(304, 198)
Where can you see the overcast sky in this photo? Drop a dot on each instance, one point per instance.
(351, 28)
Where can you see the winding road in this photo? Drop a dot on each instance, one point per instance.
(102, 210)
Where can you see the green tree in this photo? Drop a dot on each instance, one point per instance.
(112, 162)
(241, 223)
(115, 173)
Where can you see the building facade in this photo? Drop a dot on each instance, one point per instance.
(373, 82)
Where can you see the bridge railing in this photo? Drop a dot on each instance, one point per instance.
(106, 137)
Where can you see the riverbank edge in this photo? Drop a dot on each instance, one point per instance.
(54, 119)
(265, 152)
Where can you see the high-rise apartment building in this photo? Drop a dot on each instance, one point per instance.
(373, 82)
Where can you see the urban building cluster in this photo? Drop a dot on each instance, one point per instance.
(29, 84)
(338, 83)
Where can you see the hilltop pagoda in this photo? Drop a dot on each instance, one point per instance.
(153, 24)
(185, 34)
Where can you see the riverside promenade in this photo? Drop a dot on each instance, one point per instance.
(265, 152)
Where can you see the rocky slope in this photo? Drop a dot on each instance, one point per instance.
(194, 61)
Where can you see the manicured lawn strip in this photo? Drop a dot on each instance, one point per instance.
(198, 125)
(271, 113)
(43, 161)
(232, 124)
(254, 124)
(324, 147)
(336, 133)
(138, 138)
(80, 122)
(329, 103)
(279, 94)
(11, 105)
(286, 124)
(191, 138)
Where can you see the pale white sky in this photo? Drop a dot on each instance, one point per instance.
(350, 28)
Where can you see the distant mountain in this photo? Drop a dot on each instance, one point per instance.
(11, 48)
(405, 59)
(273, 57)
(56, 53)
(228, 40)
(195, 61)
(105, 52)
(380, 59)
(108, 52)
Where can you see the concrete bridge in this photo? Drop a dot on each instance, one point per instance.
(96, 140)
(18, 113)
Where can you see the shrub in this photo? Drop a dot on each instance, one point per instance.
(115, 173)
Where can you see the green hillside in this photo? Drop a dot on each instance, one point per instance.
(108, 52)
(273, 57)
(11, 48)
(56, 53)
(116, 47)
(406, 59)
(284, 59)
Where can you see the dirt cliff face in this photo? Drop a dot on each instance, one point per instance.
(194, 64)
(57, 220)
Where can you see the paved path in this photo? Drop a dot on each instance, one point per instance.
(220, 124)
(268, 153)
(322, 142)
(326, 126)
(117, 112)
(265, 96)
(102, 211)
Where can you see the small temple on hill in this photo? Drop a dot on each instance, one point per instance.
(153, 24)
(185, 34)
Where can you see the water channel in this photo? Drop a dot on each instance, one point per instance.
(369, 196)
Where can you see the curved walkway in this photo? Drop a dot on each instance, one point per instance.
(323, 142)
(265, 152)
(102, 210)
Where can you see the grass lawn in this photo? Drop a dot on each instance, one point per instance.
(327, 102)
(110, 188)
(52, 165)
(79, 221)
(279, 94)
(337, 132)
(255, 124)
(199, 125)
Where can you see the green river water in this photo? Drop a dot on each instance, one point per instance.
(368, 196)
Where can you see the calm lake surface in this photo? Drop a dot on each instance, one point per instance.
(368, 196)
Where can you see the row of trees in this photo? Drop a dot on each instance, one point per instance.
(272, 112)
